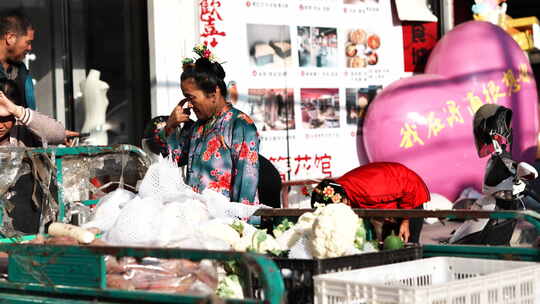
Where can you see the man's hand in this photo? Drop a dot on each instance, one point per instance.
(71, 138)
(7, 107)
(178, 115)
(404, 233)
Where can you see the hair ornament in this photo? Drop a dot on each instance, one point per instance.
(202, 51)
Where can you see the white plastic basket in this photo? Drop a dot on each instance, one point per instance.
(437, 280)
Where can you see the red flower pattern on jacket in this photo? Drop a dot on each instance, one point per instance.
(244, 152)
(212, 149)
(223, 180)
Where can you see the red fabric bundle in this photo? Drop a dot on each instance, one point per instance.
(384, 185)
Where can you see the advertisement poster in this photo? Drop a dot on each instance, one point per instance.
(306, 71)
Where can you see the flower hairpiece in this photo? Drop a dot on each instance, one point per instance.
(203, 52)
(329, 194)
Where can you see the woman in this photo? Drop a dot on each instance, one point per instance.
(23, 127)
(221, 148)
(378, 185)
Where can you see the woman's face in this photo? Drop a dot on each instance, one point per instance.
(204, 106)
(6, 123)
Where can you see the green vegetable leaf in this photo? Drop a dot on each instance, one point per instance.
(261, 236)
(238, 226)
(360, 237)
(258, 237)
(231, 267)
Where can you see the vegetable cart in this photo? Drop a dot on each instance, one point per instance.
(63, 181)
(76, 274)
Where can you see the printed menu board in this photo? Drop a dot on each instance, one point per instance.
(306, 71)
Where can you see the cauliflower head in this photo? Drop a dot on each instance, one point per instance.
(223, 232)
(305, 222)
(261, 242)
(334, 231)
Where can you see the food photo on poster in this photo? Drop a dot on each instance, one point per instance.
(317, 47)
(269, 45)
(272, 109)
(357, 102)
(319, 108)
(361, 48)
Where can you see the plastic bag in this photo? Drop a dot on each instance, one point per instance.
(163, 181)
(178, 220)
(220, 206)
(162, 275)
(138, 224)
(108, 208)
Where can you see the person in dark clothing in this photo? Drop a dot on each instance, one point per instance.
(152, 147)
(269, 186)
(16, 37)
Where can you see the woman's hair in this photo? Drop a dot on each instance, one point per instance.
(207, 76)
(327, 192)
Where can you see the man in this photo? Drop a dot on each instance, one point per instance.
(16, 37)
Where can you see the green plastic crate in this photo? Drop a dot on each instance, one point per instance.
(78, 273)
(49, 266)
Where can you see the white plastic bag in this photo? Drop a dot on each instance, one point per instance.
(108, 208)
(138, 224)
(163, 181)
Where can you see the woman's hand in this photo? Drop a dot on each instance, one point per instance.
(178, 115)
(71, 138)
(404, 233)
(7, 107)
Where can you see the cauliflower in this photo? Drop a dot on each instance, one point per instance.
(288, 238)
(333, 232)
(305, 222)
(261, 242)
(230, 287)
(242, 244)
(238, 225)
(222, 231)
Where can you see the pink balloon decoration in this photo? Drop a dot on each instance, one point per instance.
(425, 121)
